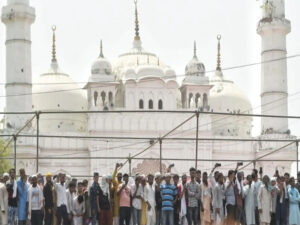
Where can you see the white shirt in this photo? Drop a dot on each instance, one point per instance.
(70, 197)
(149, 194)
(136, 203)
(78, 208)
(35, 198)
(61, 195)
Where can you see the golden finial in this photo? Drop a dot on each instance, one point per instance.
(53, 44)
(101, 50)
(195, 49)
(219, 53)
(137, 29)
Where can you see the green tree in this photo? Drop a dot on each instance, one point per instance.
(5, 164)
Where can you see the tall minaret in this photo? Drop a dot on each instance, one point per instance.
(273, 28)
(18, 16)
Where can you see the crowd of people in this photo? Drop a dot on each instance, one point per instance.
(167, 199)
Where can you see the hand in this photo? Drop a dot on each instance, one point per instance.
(70, 216)
(117, 165)
(99, 210)
(260, 210)
(49, 211)
(149, 206)
(93, 212)
(202, 210)
(218, 211)
(3, 211)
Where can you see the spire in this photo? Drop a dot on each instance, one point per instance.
(195, 50)
(53, 45)
(137, 29)
(219, 53)
(101, 50)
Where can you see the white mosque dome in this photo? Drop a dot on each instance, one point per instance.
(56, 91)
(136, 58)
(170, 73)
(228, 97)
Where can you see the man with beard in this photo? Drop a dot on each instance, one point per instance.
(48, 196)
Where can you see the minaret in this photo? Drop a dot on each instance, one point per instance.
(273, 28)
(18, 16)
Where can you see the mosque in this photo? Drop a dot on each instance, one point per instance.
(137, 81)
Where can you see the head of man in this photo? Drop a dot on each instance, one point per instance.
(292, 181)
(62, 178)
(48, 178)
(184, 179)
(85, 183)
(157, 178)
(150, 179)
(22, 174)
(192, 173)
(5, 177)
(240, 176)
(72, 187)
(175, 179)
(220, 179)
(216, 175)
(34, 180)
(168, 178)
(119, 177)
(249, 179)
(231, 175)
(12, 173)
(96, 177)
(273, 181)
(80, 187)
(204, 178)
(198, 175)
(266, 180)
(287, 177)
(126, 178)
(143, 180)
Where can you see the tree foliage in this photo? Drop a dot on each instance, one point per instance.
(5, 164)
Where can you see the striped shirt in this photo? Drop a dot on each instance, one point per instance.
(168, 194)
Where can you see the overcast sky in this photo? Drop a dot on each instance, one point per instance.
(167, 28)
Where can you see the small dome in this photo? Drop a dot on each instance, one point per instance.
(101, 66)
(195, 67)
(170, 73)
(130, 73)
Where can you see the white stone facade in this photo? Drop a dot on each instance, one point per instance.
(138, 80)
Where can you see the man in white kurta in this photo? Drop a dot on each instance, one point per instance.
(149, 197)
(249, 201)
(264, 200)
(4, 200)
(218, 200)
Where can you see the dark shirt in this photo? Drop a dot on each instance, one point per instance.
(158, 199)
(94, 192)
(13, 202)
(104, 200)
(48, 195)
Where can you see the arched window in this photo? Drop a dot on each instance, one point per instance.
(95, 98)
(110, 99)
(190, 100)
(141, 104)
(197, 100)
(160, 104)
(103, 96)
(150, 104)
(205, 101)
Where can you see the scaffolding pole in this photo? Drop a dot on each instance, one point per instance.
(37, 139)
(15, 151)
(197, 136)
(297, 149)
(129, 164)
(160, 156)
